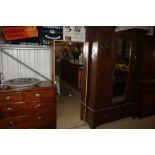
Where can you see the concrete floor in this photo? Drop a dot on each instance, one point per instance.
(68, 114)
(68, 108)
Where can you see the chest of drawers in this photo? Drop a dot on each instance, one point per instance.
(28, 107)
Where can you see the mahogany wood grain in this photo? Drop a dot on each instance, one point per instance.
(33, 107)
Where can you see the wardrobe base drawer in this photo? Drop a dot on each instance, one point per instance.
(98, 117)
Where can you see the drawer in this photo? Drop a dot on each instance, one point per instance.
(122, 111)
(21, 109)
(115, 113)
(40, 121)
(35, 96)
(40, 107)
(36, 121)
(9, 110)
(12, 97)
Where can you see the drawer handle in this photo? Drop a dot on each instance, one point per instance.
(10, 109)
(40, 117)
(38, 106)
(11, 123)
(37, 95)
(8, 98)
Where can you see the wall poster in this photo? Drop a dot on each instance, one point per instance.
(48, 33)
(74, 33)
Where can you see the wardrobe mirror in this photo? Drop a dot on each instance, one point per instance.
(121, 68)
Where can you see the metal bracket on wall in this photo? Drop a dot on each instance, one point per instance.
(25, 65)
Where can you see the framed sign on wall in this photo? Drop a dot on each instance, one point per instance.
(48, 33)
(74, 33)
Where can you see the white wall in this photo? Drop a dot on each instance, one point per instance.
(37, 57)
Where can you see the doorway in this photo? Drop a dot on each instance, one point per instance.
(68, 76)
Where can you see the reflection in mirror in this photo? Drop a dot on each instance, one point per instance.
(121, 69)
(68, 66)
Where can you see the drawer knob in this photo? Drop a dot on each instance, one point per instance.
(37, 95)
(11, 123)
(38, 106)
(8, 98)
(10, 109)
(40, 117)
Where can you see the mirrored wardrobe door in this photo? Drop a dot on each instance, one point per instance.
(121, 69)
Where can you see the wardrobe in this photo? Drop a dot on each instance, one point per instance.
(116, 73)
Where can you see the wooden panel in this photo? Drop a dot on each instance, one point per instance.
(134, 70)
(105, 71)
(92, 75)
(87, 114)
(148, 59)
(147, 97)
(85, 72)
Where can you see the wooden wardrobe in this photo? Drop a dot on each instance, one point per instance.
(100, 105)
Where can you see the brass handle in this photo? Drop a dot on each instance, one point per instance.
(38, 106)
(11, 123)
(10, 109)
(8, 98)
(135, 57)
(40, 117)
(37, 95)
